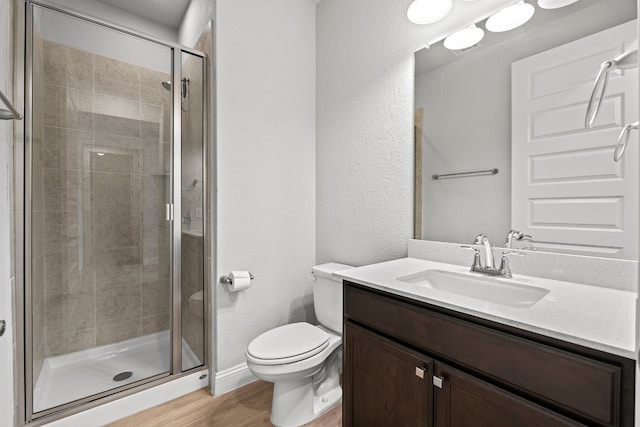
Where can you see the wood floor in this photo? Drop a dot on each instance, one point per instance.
(246, 406)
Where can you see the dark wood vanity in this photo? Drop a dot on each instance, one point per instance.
(408, 363)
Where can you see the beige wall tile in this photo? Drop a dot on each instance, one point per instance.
(156, 323)
(109, 140)
(65, 273)
(69, 312)
(152, 91)
(118, 267)
(117, 125)
(107, 105)
(54, 105)
(70, 342)
(157, 263)
(156, 297)
(37, 234)
(54, 62)
(117, 332)
(61, 189)
(113, 191)
(117, 78)
(66, 148)
(80, 69)
(115, 161)
(60, 230)
(117, 229)
(80, 108)
(155, 229)
(154, 157)
(114, 305)
(155, 192)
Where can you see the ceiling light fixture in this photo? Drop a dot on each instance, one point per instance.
(464, 38)
(510, 17)
(428, 11)
(554, 4)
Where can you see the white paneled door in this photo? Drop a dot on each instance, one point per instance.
(567, 192)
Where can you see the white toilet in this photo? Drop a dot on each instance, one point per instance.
(302, 360)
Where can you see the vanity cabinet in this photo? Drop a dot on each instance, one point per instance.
(475, 372)
(382, 368)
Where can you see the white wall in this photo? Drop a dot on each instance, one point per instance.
(365, 129)
(7, 341)
(266, 167)
(119, 16)
(94, 38)
(197, 16)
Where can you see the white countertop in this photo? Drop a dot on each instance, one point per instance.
(595, 317)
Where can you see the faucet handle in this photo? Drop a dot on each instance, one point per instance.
(516, 253)
(476, 257)
(504, 269)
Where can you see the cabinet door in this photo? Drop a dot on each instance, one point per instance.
(464, 401)
(386, 384)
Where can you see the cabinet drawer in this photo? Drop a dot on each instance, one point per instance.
(587, 388)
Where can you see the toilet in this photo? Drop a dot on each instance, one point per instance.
(195, 304)
(304, 360)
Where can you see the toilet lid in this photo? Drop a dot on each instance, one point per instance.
(289, 343)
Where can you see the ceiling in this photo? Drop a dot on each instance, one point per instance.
(166, 12)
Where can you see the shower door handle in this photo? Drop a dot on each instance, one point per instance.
(3, 326)
(169, 211)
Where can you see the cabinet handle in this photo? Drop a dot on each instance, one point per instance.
(419, 372)
(438, 381)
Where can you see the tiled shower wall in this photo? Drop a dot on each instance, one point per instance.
(100, 182)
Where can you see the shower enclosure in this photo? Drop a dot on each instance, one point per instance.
(114, 210)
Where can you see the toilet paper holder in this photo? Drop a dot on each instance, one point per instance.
(228, 281)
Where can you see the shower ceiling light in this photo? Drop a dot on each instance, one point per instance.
(464, 38)
(510, 17)
(428, 11)
(554, 4)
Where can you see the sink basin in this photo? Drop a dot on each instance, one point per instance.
(499, 291)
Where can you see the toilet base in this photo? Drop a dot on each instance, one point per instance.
(295, 403)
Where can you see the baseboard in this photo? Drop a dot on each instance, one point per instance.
(231, 379)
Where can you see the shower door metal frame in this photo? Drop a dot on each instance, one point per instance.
(24, 32)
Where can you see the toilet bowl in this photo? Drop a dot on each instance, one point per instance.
(195, 304)
(304, 360)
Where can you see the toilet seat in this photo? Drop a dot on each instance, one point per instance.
(287, 344)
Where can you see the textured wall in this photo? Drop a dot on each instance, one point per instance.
(265, 168)
(364, 129)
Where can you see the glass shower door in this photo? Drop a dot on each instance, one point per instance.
(192, 210)
(100, 178)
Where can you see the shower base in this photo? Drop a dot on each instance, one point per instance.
(73, 376)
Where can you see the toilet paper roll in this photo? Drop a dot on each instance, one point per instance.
(240, 280)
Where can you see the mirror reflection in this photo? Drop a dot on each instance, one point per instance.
(501, 139)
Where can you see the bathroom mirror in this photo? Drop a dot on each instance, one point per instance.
(511, 109)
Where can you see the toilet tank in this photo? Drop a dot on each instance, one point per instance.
(327, 295)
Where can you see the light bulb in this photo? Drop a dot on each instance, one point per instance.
(428, 11)
(554, 4)
(464, 38)
(510, 17)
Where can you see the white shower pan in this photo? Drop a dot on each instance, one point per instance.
(77, 375)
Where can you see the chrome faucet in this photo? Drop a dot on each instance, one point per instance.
(517, 235)
(481, 239)
(489, 265)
